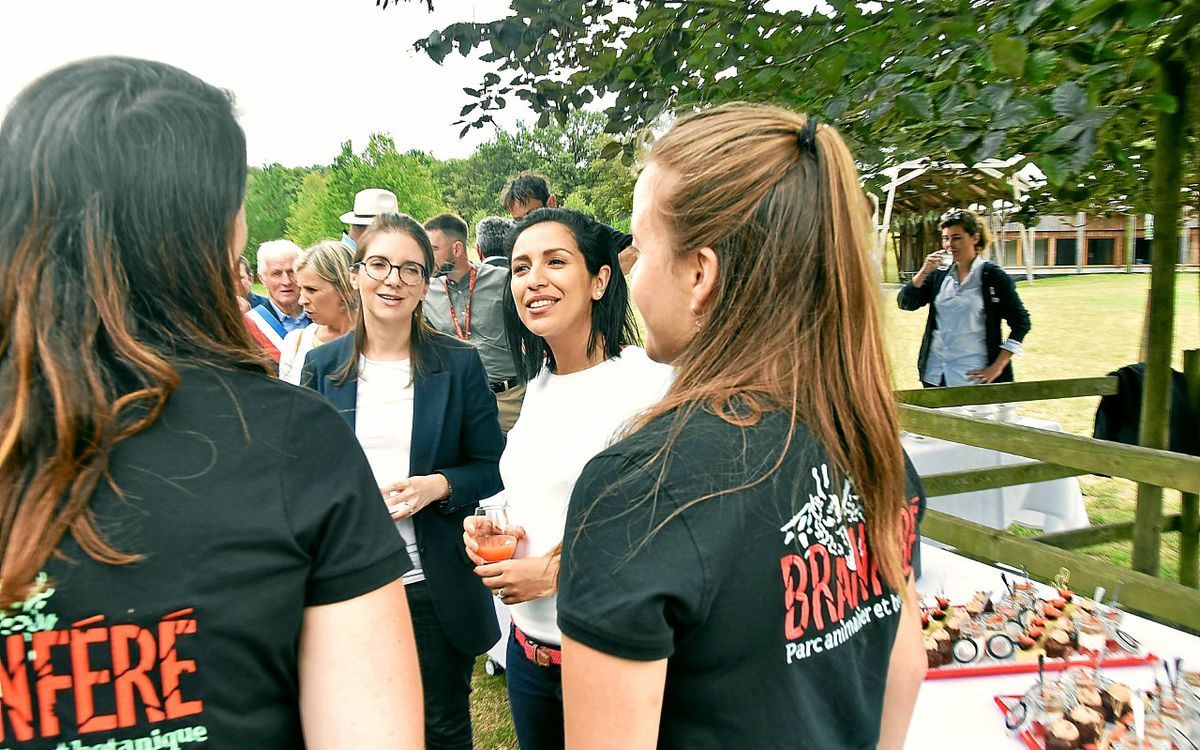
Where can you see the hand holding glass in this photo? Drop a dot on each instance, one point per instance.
(494, 535)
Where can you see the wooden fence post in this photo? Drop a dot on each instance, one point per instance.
(1189, 512)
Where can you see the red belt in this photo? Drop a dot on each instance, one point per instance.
(543, 656)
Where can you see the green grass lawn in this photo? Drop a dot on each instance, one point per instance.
(1082, 326)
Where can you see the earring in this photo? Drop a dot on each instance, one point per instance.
(699, 319)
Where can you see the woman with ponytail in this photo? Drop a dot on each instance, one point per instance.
(740, 564)
(190, 550)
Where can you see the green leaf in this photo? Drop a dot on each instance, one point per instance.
(1015, 114)
(1040, 65)
(1092, 10)
(611, 150)
(1069, 99)
(1009, 55)
(918, 106)
(1053, 168)
(1029, 13)
(1164, 102)
(991, 143)
(994, 97)
(467, 109)
(1142, 14)
(1061, 137)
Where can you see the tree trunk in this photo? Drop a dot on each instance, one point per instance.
(1169, 135)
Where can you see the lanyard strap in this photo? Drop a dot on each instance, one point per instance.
(463, 331)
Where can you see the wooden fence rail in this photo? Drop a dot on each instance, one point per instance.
(1087, 455)
(1003, 393)
(1145, 594)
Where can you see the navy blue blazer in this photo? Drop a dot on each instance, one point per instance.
(455, 432)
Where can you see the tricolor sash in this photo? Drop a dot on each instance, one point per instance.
(266, 330)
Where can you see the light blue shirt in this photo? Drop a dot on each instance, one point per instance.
(959, 341)
(289, 323)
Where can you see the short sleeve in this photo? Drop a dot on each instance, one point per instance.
(334, 507)
(623, 590)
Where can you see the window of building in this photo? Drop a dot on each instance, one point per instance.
(1040, 250)
(1064, 251)
(1100, 251)
(1141, 250)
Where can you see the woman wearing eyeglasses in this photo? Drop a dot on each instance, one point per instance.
(962, 343)
(420, 406)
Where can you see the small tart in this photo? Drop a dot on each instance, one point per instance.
(1088, 721)
(1058, 644)
(1062, 735)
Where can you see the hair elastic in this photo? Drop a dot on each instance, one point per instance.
(806, 139)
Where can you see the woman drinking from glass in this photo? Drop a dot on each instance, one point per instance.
(967, 298)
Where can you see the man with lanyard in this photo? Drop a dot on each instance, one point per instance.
(269, 323)
(467, 301)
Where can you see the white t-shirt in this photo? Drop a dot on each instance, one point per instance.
(296, 346)
(565, 421)
(383, 424)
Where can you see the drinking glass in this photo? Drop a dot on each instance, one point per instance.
(493, 534)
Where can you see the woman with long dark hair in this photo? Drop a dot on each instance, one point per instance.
(420, 405)
(569, 320)
(185, 562)
(735, 572)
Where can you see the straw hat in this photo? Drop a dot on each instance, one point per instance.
(370, 203)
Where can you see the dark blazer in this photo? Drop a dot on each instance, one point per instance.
(455, 432)
(1000, 302)
(257, 299)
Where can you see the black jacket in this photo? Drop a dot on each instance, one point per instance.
(455, 432)
(1000, 302)
(1118, 417)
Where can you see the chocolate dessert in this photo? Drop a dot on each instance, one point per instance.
(1062, 735)
(1117, 700)
(932, 653)
(1088, 721)
(1058, 644)
(1090, 697)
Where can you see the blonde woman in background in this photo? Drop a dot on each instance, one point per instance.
(323, 275)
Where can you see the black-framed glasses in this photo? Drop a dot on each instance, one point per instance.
(379, 268)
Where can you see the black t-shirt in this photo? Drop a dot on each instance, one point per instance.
(776, 627)
(243, 519)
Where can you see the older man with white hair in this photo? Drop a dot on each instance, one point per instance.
(282, 314)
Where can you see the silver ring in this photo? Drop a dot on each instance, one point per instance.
(500, 593)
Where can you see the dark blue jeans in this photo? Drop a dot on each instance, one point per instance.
(445, 676)
(536, 698)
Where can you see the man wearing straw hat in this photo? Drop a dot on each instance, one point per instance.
(368, 204)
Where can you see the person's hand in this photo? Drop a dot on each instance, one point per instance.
(933, 261)
(523, 580)
(987, 374)
(478, 526)
(406, 497)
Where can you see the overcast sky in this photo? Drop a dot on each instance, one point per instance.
(308, 74)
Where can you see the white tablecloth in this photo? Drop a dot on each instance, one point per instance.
(1054, 506)
(961, 712)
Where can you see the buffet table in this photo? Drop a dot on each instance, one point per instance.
(1056, 505)
(964, 707)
